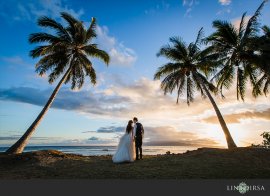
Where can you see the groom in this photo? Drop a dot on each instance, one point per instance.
(138, 132)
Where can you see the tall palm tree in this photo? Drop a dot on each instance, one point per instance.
(185, 74)
(262, 44)
(65, 54)
(237, 50)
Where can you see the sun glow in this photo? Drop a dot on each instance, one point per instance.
(215, 132)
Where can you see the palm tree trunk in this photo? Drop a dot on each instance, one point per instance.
(225, 129)
(19, 146)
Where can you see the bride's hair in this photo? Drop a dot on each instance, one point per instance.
(129, 126)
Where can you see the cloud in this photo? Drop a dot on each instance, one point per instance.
(158, 7)
(120, 55)
(224, 10)
(23, 12)
(225, 2)
(120, 100)
(58, 141)
(165, 136)
(53, 8)
(15, 60)
(170, 136)
(83, 101)
(88, 132)
(189, 4)
(93, 138)
(23, 94)
(17, 11)
(237, 117)
(142, 98)
(16, 137)
(154, 136)
(110, 129)
(92, 141)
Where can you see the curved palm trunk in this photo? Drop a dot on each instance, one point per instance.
(225, 129)
(19, 146)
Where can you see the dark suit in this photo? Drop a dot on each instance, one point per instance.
(138, 139)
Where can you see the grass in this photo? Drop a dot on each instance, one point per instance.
(204, 163)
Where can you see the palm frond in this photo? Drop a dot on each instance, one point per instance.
(181, 87)
(179, 45)
(200, 36)
(91, 50)
(266, 30)
(193, 48)
(55, 62)
(266, 87)
(91, 31)
(225, 78)
(40, 51)
(170, 82)
(89, 70)
(262, 85)
(45, 21)
(173, 53)
(167, 69)
(225, 35)
(242, 25)
(252, 25)
(80, 35)
(77, 74)
(252, 73)
(241, 84)
(43, 37)
(256, 91)
(71, 21)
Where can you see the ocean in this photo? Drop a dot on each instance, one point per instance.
(106, 150)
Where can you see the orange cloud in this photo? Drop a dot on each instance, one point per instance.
(235, 118)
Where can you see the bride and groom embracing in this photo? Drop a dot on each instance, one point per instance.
(130, 142)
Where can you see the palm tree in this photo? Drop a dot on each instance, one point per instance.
(237, 50)
(185, 74)
(263, 48)
(64, 54)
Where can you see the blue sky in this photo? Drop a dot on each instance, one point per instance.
(132, 33)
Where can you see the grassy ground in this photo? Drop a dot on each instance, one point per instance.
(202, 163)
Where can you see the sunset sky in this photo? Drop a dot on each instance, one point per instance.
(132, 32)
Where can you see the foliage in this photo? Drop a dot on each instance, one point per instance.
(243, 59)
(68, 47)
(185, 71)
(266, 141)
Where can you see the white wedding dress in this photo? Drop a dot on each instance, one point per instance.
(126, 149)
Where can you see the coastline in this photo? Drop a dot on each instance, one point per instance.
(105, 150)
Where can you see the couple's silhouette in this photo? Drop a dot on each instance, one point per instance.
(130, 144)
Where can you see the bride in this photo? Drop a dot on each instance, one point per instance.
(126, 148)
